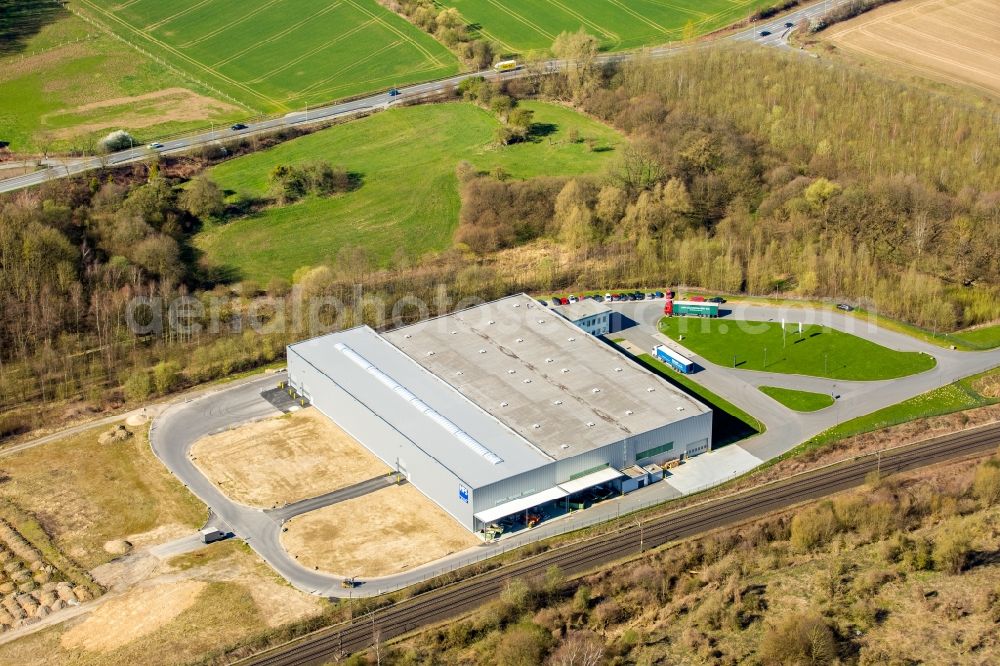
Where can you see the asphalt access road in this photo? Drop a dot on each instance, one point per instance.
(457, 599)
(785, 427)
(63, 167)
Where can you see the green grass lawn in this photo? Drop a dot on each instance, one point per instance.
(955, 397)
(73, 84)
(800, 401)
(531, 25)
(729, 422)
(409, 197)
(820, 351)
(273, 56)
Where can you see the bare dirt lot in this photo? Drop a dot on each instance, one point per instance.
(956, 41)
(285, 459)
(386, 532)
(182, 609)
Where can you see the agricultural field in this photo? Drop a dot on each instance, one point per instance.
(264, 55)
(532, 25)
(819, 351)
(953, 41)
(67, 84)
(408, 199)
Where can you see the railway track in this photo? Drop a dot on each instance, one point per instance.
(453, 600)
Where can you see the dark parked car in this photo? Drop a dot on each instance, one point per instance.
(394, 92)
(765, 33)
(717, 299)
(659, 294)
(845, 307)
(542, 301)
(238, 126)
(789, 24)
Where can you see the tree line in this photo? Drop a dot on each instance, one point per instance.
(747, 171)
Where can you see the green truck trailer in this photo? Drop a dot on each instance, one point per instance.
(691, 308)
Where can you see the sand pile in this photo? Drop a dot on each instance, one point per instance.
(117, 434)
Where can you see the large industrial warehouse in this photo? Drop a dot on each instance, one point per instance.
(500, 410)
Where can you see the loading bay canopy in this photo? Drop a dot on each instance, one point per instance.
(591, 480)
(520, 504)
(560, 491)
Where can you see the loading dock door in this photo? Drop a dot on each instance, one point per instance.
(520, 504)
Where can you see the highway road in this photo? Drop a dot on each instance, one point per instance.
(61, 168)
(453, 600)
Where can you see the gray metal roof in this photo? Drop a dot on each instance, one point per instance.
(561, 389)
(587, 307)
(435, 421)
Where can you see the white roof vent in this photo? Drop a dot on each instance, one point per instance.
(557, 402)
(460, 372)
(482, 351)
(629, 412)
(564, 446)
(571, 339)
(491, 322)
(595, 390)
(541, 321)
(407, 336)
(527, 381)
(680, 409)
(564, 370)
(517, 305)
(536, 426)
(430, 353)
(520, 339)
(549, 360)
(618, 369)
(650, 389)
(454, 332)
(590, 424)
(510, 372)
(503, 404)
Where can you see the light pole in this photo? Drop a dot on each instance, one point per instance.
(639, 523)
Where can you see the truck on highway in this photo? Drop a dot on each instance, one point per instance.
(692, 308)
(681, 364)
(505, 66)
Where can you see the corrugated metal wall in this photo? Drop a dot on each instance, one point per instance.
(426, 474)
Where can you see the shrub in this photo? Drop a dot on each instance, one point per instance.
(525, 644)
(813, 527)
(117, 140)
(137, 387)
(799, 638)
(986, 484)
(951, 550)
(166, 376)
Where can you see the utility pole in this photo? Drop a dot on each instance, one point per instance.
(641, 542)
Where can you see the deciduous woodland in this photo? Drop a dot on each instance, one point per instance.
(747, 172)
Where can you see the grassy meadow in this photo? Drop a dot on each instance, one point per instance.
(532, 25)
(273, 58)
(71, 84)
(820, 351)
(408, 198)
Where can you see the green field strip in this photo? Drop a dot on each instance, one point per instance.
(349, 67)
(183, 57)
(427, 54)
(323, 46)
(625, 8)
(385, 81)
(521, 19)
(276, 36)
(231, 24)
(585, 21)
(198, 5)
